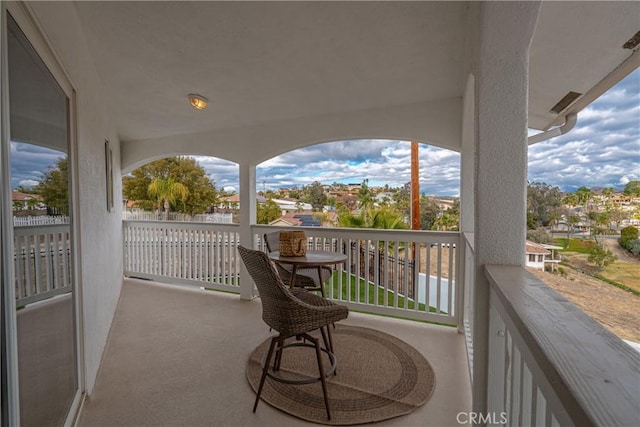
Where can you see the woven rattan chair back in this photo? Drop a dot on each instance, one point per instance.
(272, 240)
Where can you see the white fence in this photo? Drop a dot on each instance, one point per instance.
(187, 253)
(222, 218)
(42, 262)
(21, 221)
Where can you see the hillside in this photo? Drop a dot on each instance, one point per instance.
(615, 309)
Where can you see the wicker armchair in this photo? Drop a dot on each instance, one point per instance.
(291, 316)
(306, 278)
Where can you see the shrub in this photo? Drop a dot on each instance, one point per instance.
(539, 236)
(627, 235)
(634, 246)
(601, 257)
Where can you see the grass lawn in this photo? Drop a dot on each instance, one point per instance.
(356, 293)
(581, 246)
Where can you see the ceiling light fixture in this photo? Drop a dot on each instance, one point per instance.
(198, 102)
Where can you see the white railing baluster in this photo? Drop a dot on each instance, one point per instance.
(66, 279)
(439, 281)
(450, 282)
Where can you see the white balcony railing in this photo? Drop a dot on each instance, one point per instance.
(42, 262)
(411, 274)
(199, 254)
(469, 293)
(402, 273)
(552, 365)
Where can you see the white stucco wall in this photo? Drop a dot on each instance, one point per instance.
(100, 232)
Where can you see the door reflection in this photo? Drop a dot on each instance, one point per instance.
(39, 124)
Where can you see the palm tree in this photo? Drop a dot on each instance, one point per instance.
(167, 192)
(584, 196)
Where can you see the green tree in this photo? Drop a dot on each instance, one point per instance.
(167, 192)
(571, 200)
(365, 198)
(268, 212)
(184, 170)
(447, 222)
(632, 188)
(616, 216)
(601, 257)
(402, 200)
(387, 218)
(54, 188)
(429, 211)
(584, 195)
(607, 193)
(542, 201)
(315, 196)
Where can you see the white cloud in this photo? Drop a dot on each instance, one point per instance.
(28, 183)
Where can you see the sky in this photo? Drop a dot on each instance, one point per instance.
(603, 150)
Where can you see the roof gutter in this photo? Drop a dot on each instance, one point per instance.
(570, 121)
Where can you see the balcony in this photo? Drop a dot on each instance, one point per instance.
(178, 355)
(200, 339)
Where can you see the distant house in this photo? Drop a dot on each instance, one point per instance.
(25, 201)
(539, 255)
(292, 205)
(233, 202)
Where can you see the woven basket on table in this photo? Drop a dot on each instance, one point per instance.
(292, 243)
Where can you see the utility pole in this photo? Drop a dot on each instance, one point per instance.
(415, 194)
(415, 187)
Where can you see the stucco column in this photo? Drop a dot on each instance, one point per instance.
(501, 70)
(247, 219)
(467, 159)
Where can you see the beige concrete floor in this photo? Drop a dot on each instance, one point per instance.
(176, 357)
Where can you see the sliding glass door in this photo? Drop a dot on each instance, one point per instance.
(40, 361)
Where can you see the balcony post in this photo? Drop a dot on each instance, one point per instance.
(247, 219)
(501, 67)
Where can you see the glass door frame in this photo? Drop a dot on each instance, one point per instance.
(9, 394)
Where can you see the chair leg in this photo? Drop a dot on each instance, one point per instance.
(274, 340)
(277, 360)
(324, 384)
(327, 342)
(321, 282)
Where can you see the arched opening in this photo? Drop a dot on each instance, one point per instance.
(182, 188)
(346, 183)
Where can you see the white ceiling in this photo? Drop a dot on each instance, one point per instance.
(262, 62)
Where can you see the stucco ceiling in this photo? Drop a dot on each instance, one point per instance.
(262, 62)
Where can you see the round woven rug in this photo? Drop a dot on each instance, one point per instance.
(378, 377)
